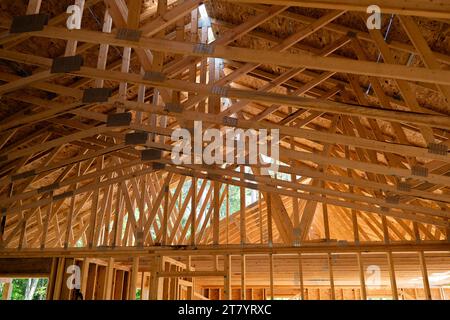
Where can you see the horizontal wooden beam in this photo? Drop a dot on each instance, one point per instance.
(269, 97)
(296, 60)
(23, 267)
(189, 274)
(199, 250)
(432, 120)
(339, 29)
(422, 8)
(387, 211)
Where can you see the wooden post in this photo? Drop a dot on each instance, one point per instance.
(392, 276)
(117, 230)
(326, 224)
(48, 217)
(94, 208)
(142, 285)
(300, 273)
(165, 224)
(261, 239)
(84, 276)
(216, 212)
(243, 286)
(269, 218)
(355, 225)
(242, 207)
(59, 279)
(443, 295)
(227, 277)
(385, 225)
(426, 282)
(390, 259)
(133, 279)
(362, 280)
(193, 210)
(52, 279)
(109, 280)
(190, 289)
(295, 209)
(69, 221)
(271, 275)
(155, 281)
(7, 290)
(227, 218)
(330, 270)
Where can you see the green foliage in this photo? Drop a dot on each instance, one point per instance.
(20, 286)
(138, 294)
(235, 199)
(41, 290)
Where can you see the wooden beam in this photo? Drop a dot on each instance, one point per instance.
(428, 57)
(227, 277)
(216, 212)
(335, 247)
(258, 56)
(392, 275)
(423, 8)
(362, 280)
(426, 282)
(133, 279)
(243, 279)
(271, 284)
(109, 280)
